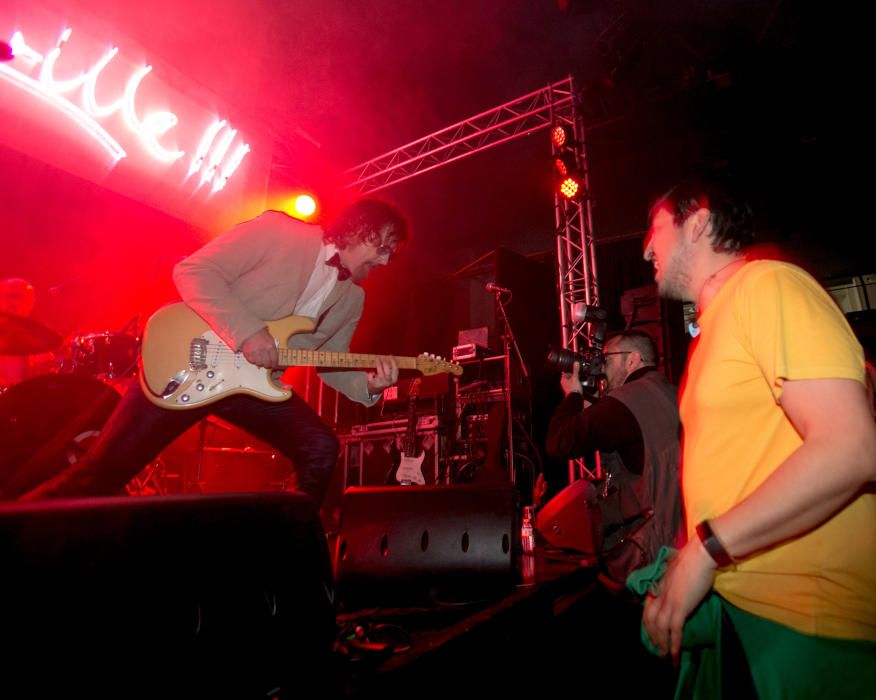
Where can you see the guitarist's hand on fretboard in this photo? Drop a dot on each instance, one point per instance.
(385, 374)
(260, 349)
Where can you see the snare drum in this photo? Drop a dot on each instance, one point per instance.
(101, 355)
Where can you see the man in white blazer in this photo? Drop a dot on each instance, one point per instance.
(264, 269)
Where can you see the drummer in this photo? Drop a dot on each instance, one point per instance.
(17, 299)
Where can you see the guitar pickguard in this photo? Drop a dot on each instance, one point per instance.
(219, 372)
(410, 470)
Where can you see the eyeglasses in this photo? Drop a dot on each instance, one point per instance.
(618, 352)
(385, 250)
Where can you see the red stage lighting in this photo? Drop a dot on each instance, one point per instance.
(570, 182)
(565, 163)
(570, 187)
(562, 136)
(569, 176)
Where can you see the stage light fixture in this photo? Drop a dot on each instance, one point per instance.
(570, 182)
(570, 187)
(565, 163)
(304, 205)
(568, 174)
(562, 136)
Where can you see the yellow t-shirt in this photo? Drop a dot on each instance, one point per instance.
(770, 322)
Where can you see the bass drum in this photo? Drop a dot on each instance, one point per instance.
(46, 424)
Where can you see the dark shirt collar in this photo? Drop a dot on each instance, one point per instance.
(641, 372)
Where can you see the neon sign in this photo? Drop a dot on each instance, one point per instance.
(213, 157)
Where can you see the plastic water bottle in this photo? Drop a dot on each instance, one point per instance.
(527, 532)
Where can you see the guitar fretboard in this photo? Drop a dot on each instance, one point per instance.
(292, 357)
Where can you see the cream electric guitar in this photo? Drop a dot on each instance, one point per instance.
(184, 364)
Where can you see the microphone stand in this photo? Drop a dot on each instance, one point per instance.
(509, 341)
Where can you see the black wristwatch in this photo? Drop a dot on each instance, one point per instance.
(713, 545)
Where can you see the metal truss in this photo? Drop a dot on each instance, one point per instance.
(542, 109)
(576, 260)
(507, 122)
(576, 263)
(553, 105)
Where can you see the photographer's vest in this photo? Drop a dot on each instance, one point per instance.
(642, 512)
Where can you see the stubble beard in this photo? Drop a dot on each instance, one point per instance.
(676, 278)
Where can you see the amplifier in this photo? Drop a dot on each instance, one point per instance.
(432, 386)
(469, 351)
(391, 427)
(368, 451)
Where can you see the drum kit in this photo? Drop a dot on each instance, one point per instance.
(48, 421)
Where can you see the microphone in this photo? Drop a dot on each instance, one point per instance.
(496, 288)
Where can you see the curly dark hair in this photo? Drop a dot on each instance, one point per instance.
(731, 217)
(369, 220)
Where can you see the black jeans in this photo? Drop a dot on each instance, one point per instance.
(138, 431)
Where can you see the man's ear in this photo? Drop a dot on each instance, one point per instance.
(700, 223)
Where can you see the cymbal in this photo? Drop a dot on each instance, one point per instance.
(23, 336)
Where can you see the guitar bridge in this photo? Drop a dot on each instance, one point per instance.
(198, 354)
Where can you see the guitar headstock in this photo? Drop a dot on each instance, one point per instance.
(432, 364)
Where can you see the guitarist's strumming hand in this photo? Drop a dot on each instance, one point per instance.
(385, 374)
(260, 349)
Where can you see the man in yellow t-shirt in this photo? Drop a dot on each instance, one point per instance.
(779, 452)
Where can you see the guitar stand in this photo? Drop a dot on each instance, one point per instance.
(196, 485)
(150, 481)
(387, 480)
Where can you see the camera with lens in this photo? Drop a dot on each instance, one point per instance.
(591, 365)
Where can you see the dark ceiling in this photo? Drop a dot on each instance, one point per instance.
(664, 88)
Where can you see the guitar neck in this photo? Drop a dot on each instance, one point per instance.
(410, 438)
(292, 357)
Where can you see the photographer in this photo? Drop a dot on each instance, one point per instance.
(635, 428)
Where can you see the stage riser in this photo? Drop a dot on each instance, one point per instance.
(196, 593)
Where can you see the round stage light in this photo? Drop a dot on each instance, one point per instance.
(305, 205)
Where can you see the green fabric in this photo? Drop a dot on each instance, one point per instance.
(788, 664)
(784, 663)
(699, 673)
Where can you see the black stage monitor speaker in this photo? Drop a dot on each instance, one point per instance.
(413, 545)
(572, 519)
(182, 596)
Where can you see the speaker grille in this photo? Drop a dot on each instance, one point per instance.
(411, 544)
